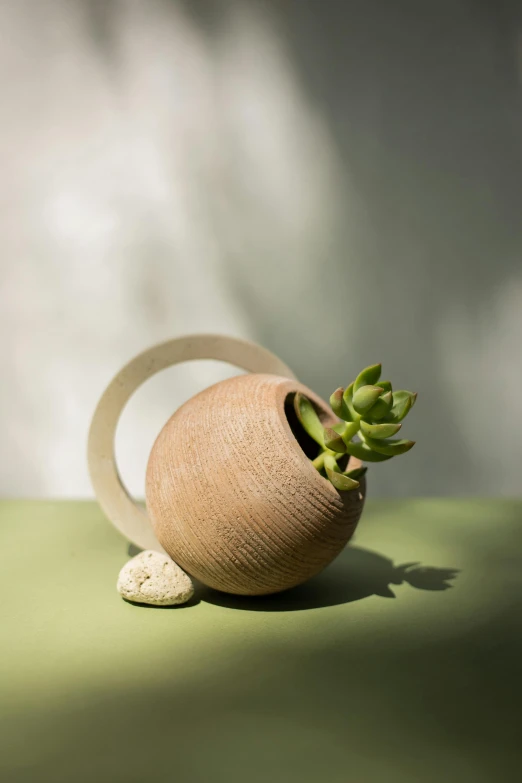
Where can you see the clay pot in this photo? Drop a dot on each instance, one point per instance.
(232, 494)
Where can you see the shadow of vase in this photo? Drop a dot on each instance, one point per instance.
(357, 573)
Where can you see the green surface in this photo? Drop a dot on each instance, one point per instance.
(351, 679)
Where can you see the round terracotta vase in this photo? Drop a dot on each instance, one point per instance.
(232, 494)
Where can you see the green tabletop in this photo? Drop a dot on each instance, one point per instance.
(371, 673)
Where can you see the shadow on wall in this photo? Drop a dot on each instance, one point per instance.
(340, 181)
(414, 254)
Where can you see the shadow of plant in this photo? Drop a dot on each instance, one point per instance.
(356, 574)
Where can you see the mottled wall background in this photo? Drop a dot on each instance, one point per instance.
(340, 181)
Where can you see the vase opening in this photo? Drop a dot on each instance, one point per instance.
(308, 444)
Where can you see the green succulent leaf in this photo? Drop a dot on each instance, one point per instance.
(334, 441)
(368, 377)
(365, 397)
(402, 394)
(365, 453)
(379, 430)
(382, 407)
(308, 417)
(339, 406)
(386, 385)
(398, 412)
(356, 473)
(339, 480)
(403, 401)
(348, 399)
(392, 447)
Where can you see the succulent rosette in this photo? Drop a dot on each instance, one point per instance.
(368, 409)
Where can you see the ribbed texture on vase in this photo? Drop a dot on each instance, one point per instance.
(234, 499)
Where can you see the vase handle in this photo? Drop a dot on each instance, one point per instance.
(121, 509)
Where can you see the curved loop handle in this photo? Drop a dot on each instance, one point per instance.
(120, 508)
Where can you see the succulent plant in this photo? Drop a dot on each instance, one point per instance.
(368, 408)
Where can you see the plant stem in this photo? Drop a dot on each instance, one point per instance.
(318, 462)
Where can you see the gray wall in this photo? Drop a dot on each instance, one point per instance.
(340, 181)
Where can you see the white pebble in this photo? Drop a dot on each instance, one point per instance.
(153, 578)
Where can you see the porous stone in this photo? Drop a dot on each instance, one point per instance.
(153, 578)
